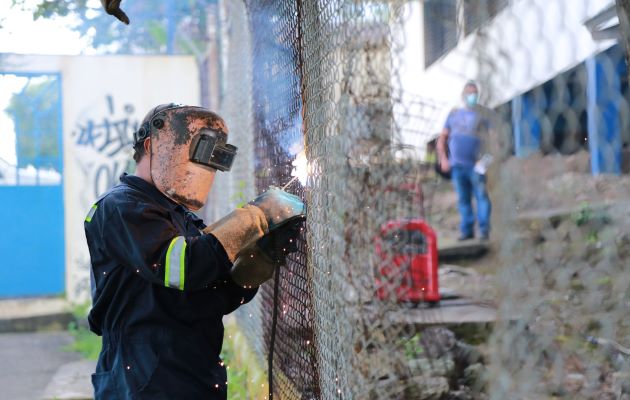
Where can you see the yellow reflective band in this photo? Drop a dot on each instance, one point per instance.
(90, 214)
(174, 277)
(182, 269)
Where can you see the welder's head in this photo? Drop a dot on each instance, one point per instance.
(186, 146)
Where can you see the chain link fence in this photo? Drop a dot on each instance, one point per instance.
(354, 93)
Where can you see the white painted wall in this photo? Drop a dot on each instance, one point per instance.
(527, 44)
(98, 91)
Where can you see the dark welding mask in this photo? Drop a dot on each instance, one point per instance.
(210, 148)
(188, 146)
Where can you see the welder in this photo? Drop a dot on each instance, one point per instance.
(161, 280)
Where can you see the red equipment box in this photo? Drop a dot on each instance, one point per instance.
(408, 271)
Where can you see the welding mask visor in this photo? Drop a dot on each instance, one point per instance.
(210, 148)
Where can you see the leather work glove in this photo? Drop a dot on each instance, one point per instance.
(112, 7)
(239, 228)
(256, 263)
(244, 228)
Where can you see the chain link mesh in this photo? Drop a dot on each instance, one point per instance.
(360, 89)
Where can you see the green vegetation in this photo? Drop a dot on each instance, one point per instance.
(239, 196)
(583, 216)
(247, 378)
(157, 27)
(412, 346)
(34, 111)
(85, 342)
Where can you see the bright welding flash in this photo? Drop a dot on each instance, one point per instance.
(300, 167)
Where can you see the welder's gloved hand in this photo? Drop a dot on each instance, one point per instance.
(112, 7)
(239, 229)
(256, 263)
(260, 234)
(279, 206)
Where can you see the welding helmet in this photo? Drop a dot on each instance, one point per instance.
(188, 145)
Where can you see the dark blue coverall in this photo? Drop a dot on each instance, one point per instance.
(160, 289)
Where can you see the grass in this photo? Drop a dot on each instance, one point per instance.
(85, 342)
(247, 378)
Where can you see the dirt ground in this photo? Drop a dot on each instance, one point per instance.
(527, 194)
(554, 181)
(537, 184)
(532, 184)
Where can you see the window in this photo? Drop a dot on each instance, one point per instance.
(441, 32)
(440, 28)
(477, 12)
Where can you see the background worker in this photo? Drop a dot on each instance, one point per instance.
(161, 280)
(466, 133)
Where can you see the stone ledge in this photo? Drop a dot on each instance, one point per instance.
(34, 314)
(449, 250)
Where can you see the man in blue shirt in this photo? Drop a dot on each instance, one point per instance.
(466, 133)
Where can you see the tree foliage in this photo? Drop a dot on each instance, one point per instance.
(157, 27)
(148, 31)
(35, 113)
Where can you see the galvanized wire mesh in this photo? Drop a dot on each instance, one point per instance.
(278, 139)
(361, 87)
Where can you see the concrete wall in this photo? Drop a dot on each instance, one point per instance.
(103, 100)
(526, 44)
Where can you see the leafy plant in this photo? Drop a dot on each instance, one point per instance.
(583, 216)
(85, 342)
(239, 196)
(247, 378)
(34, 113)
(412, 346)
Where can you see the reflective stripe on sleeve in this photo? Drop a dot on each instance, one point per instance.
(174, 274)
(88, 217)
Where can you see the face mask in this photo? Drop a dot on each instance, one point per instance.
(472, 99)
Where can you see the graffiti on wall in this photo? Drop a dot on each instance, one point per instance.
(104, 146)
(79, 283)
(101, 145)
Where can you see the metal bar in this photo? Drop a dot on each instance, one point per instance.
(60, 128)
(592, 114)
(517, 114)
(604, 127)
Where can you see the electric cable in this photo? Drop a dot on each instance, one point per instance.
(274, 317)
(274, 321)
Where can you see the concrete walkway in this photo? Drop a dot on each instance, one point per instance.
(33, 362)
(29, 361)
(72, 381)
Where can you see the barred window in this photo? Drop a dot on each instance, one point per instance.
(440, 29)
(477, 12)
